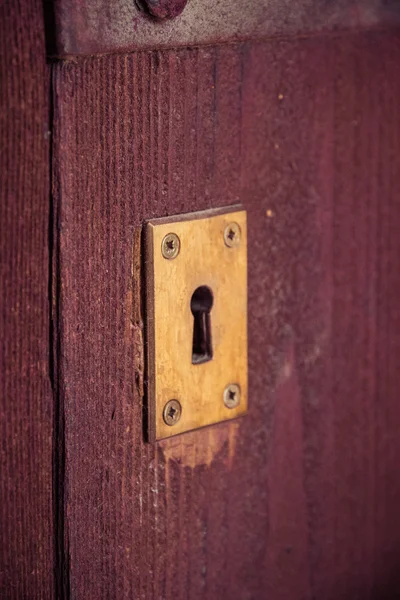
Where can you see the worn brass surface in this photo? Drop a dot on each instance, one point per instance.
(204, 259)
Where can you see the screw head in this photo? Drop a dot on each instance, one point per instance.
(170, 246)
(232, 235)
(165, 9)
(232, 395)
(172, 412)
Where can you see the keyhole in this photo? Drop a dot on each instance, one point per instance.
(201, 305)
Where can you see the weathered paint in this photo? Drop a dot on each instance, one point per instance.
(26, 401)
(301, 499)
(85, 27)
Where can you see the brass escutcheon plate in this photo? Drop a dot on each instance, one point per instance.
(184, 253)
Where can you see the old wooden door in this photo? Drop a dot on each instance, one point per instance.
(291, 109)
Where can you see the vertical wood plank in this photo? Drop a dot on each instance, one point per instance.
(297, 500)
(26, 412)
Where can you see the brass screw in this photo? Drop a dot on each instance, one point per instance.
(232, 395)
(170, 246)
(232, 235)
(172, 412)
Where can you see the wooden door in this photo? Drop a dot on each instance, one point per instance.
(299, 498)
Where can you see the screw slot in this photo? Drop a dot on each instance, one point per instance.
(170, 246)
(172, 412)
(232, 395)
(232, 235)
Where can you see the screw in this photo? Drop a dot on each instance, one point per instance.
(170, 246)
(165, 9)
(232, 395)
(172, 412)
(232, 235)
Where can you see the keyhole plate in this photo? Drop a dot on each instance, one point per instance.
(208, 257)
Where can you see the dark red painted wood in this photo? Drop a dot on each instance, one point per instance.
(300, 498)
(26, 411)
(87, 27)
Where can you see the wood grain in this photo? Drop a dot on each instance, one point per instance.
(26, 409)
(300, 499)
(204, 260)
(87, 27)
